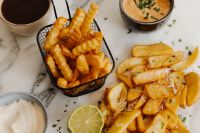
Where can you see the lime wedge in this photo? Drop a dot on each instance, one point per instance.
(86, 119)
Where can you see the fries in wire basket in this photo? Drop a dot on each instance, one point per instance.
(74, 53)
(153, 86)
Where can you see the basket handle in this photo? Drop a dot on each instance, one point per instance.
(55, 12)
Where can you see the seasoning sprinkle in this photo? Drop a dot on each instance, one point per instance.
(152, 17)
(54, 125)
(129, 31)
(157, 9)
(146, 16)
(180, 40)
(187, 48)
(105, 18)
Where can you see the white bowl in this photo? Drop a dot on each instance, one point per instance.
(14, 96)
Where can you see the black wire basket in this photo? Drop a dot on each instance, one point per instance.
(82, 89)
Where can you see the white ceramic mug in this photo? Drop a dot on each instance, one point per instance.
(28, 29)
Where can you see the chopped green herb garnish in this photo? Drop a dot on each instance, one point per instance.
(190, 115)
(198, 66)
(157, 9)
(146, 16)
(169, 25)
(162, 125)
(143, 12)
(105, 18)
(173, 21)
(184, 119)
(186, 47)
(141, 4)
(180, 40)
(152, 17)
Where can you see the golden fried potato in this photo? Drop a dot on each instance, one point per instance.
(155, 91)
(152, 106)
(140, 123)
(137, 69)
(85, 47)
(96, 60)
(132, 126)
(82, 65)
(183, 102)
(52, 66)
(187, 62)
(66, 52)
(76, 22)
(73, 84)
(151, 50)
(75, 74)
(158, 125)
(141, 101)
(107, 67)
(150, 76)
(134, 93)
(60, 60)
(130, 63)
(123, 121)
(62, 83)
(170, 117)
(177, 80)
(116, 97)
(165, 60)
(93, 74)
(126, 79)
(193, 88)
(172, 103)
(85, 27)
(52, 37)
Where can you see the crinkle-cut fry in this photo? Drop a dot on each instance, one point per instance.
(85, 47)
(85, 27)
(76, 22)
(165, 60)
(62, 83)
(60, 60)
(66, 52)
(75, 74)
(73, 84)
(93, 74)
(107, 68)
(52, 66)
(96, 61)
(134, 93)
(52, 37)
(150, 76)
(151, 50)
(82, 64)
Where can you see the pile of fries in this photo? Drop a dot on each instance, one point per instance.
(74, 53)
(153, 86)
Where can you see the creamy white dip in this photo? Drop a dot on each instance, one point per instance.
(21, 117)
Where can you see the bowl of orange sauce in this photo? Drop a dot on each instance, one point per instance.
(146, 14)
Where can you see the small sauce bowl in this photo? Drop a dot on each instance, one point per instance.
(15, 96)
(144, 26)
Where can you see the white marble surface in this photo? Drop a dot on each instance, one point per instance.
(22, 69)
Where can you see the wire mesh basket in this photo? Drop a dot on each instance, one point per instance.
(82, 88)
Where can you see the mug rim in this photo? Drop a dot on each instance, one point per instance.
(10, 23)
